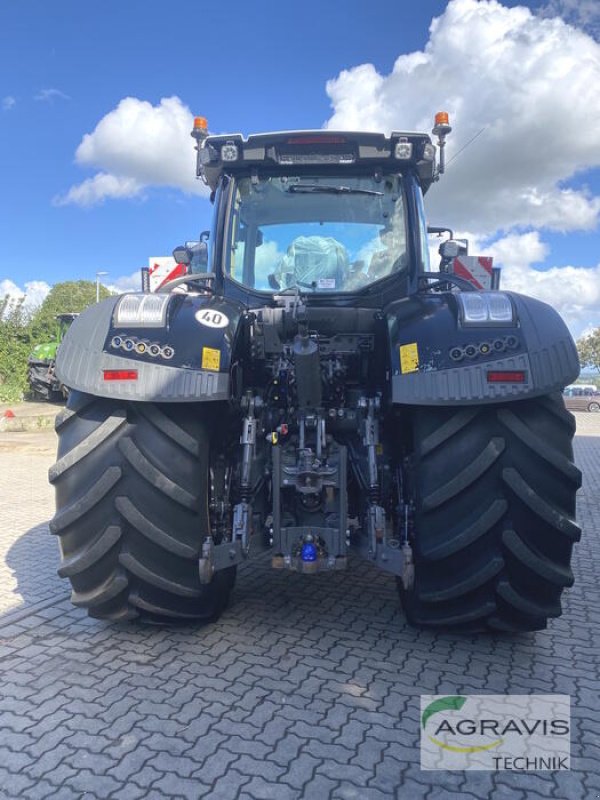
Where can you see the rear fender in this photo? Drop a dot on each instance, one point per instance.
(438, 361)
(187, 359)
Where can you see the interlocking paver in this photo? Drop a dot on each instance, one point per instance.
(260, 789)
(175, 786)
(15, 784)
(230, 785)
(213, 768)
(306, 688)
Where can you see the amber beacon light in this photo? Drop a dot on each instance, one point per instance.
(441, 129)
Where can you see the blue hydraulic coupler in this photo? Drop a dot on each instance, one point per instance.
(308, 552)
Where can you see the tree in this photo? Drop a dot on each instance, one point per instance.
(20, 331)
(588, 348)
(15, 346)
(63, 297)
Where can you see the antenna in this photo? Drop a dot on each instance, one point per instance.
(464, 147)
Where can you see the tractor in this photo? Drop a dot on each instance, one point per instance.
(313, 392)
(43, 383)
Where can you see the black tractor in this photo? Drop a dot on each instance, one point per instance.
(311, 387)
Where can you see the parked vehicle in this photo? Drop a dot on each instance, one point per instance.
(43, 383)
(582, 397)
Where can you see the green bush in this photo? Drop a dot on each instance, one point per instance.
(15, 346)
(21, 331)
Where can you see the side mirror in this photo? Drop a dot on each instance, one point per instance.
(182, 255)
(199, 254)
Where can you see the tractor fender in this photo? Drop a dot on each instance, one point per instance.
(437, 360)
(186, 359)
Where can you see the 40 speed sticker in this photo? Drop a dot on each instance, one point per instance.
(212, 318)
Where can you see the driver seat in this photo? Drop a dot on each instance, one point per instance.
(314, 260)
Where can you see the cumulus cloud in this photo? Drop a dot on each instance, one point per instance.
(135, 146)
(50, 95)
(126, 283)
(518, 252)
(8, 102)
(529, 82)
(95, 190)
(32, 294)
(581, 13)
(573, 291)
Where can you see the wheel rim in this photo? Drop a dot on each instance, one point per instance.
(594, 407)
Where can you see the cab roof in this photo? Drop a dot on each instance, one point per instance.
(320, 149)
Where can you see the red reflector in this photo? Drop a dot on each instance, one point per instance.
(317, 140)
(120, 374)
(506, 377)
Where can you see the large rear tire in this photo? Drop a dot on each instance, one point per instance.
(131, 484)
(39, 383)
(494, 523)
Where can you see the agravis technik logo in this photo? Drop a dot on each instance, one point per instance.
(495, 732)
(455, 703)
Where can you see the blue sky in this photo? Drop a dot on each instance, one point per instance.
(65, 66)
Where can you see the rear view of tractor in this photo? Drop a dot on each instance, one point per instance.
(43, 383)
(310, 386)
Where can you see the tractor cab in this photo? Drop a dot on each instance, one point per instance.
(319, 212)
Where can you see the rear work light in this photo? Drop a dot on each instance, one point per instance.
(429, 152)
(485, 309)
(403, 149)
(505, 376)
(141, 311)
(120, 374)
(229, 152)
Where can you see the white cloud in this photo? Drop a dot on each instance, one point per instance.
(10, 288)
(8, 102)
(126, 283)
(137, 145)
(518, 251)
(573, 291)
(581, 13)
(93, 191)
(50, 95)
(529, 82)
(33, 293)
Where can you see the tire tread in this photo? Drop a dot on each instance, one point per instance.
(494, 540)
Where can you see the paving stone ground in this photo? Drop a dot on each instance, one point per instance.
(306, 687)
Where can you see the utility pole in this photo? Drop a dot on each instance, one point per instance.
(98, 275)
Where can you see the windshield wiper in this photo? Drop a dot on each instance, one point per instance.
(310, 188)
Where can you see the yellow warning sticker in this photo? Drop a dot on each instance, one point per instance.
(409, 357)
(211, 358)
